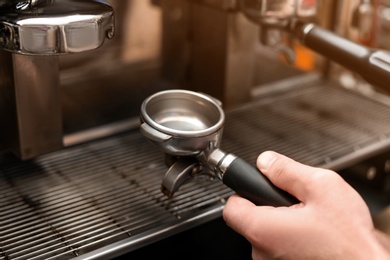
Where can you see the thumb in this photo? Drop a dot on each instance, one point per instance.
(287, 174)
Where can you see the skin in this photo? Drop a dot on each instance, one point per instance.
(331, 222)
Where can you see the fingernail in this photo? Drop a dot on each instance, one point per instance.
(266, 159)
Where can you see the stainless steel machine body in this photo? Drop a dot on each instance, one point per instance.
(90, 187)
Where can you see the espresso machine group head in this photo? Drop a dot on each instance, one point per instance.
(32, 35)
(297, 18)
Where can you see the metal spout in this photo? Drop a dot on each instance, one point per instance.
(179, 173)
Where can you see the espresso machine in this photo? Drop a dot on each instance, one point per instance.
(78, 178)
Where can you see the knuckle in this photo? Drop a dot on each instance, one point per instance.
(325, 179)
(279, 168)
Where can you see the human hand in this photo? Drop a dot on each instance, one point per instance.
(331, 222)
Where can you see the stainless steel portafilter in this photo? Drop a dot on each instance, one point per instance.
(188, 126)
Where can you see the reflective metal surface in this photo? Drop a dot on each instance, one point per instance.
(183, 113)
(278, 13)
(22, 4)
(34, 111)
(182, 122)
(59, 26)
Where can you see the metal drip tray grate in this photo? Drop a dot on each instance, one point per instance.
(319, 124)
(80, 199)
(104, 197)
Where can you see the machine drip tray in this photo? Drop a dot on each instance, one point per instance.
(102, 199)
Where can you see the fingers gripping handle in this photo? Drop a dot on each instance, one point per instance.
(251, 184)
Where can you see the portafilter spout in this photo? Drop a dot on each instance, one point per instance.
(180, 172)
(188, 125)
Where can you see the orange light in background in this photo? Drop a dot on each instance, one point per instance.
(305, 58)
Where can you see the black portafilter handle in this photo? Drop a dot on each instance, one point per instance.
(249, 182)
(371, 64)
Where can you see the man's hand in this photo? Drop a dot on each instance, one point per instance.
(331, 222)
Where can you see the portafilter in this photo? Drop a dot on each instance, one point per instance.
(187, 126)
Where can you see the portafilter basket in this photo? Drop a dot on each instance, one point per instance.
(188, 125)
